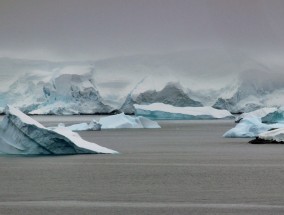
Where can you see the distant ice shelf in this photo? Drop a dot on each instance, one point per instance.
(20, 134)
(168, 112)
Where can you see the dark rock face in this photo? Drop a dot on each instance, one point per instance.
(258, 140)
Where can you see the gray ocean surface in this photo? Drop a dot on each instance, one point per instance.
(186, 167)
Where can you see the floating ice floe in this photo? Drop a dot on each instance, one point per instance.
(92, 126)
(274, 136)
(262, 112)
(165, 111)
(20, 134)
(124, 121)
(250, 127)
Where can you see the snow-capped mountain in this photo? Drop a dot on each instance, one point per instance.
(172, 93)
(69, 90)
(253, 89)
(222, 79)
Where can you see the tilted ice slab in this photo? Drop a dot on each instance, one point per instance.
(250, 127)
(124, 121)
(262, 112)
(92, 126)
(165, 111)
(20, 134)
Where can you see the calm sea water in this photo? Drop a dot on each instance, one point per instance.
(184, 168)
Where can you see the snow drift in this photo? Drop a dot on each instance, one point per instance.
(20, 134)
(165, 111)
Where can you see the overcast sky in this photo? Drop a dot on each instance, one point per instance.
(96, 29)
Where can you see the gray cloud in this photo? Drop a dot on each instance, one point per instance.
(93, 29)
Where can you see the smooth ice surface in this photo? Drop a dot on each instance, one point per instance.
(165, 111)
(92, 126)
(250, 127)
(20, 134)
(124, 121)
(274, 135)
(262, 112)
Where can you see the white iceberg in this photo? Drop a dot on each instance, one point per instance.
(124, 121)
(92, 126)
(262, 112)
(276, 136)
(20, 134)
(250, 127)
(165, 111)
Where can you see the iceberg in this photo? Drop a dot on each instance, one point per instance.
(250, 127)
(20, 134)
(92, 126)
(274, 136)
(274, 116)
(262, 112)
(124, 121)
(164, 111)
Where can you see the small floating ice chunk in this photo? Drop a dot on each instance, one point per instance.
(124, 121)
(165, 111)
(92, 126)
(276, 135)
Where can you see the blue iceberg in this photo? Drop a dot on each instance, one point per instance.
(20, 134)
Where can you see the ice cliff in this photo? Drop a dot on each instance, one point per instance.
(20, 134)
